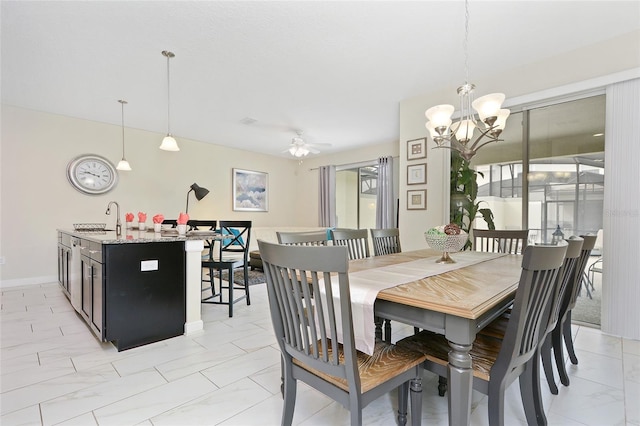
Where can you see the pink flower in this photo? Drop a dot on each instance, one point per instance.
(183, 218)
(142, 217)
(158, 218)
(128, 217)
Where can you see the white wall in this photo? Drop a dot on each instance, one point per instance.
(37, 198)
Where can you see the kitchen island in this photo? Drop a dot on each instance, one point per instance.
(136, 288)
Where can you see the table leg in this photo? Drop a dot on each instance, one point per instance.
(460, 377)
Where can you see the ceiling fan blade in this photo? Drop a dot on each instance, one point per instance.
(312, 150)
(318, 144)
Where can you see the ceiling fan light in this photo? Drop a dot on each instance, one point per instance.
(123, 165)
(169, 144)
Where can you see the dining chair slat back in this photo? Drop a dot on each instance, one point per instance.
(512, 241)
(356, 240)
(385, 241)
(313, 238)
(309, 322)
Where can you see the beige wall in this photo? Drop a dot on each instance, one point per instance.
(37, 198)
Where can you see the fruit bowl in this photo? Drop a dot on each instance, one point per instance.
(445, 243)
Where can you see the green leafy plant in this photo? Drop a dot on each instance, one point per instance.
(464, 192)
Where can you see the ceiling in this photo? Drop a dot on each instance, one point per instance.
(336, 70)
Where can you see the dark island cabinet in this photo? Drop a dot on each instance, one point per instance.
(130, 294)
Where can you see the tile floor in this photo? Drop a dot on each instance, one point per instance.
(54, 371)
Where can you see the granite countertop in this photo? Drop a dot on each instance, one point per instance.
(136, 236)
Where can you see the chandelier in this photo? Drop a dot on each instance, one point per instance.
(459, 135)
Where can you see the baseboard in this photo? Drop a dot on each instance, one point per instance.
(28, 281)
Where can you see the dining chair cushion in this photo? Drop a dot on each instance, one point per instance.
(386, 362)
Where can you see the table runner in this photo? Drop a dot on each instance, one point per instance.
(366, 284)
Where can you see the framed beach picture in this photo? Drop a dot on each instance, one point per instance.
(417, 174)
(416, 149)
(417, 199)
(250, 191)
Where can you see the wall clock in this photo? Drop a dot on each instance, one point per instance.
(92, 174)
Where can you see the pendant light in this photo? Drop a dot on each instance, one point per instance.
(169, 143)
(123, 164)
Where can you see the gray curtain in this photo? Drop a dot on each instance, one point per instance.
(327, 202)
(384, 202)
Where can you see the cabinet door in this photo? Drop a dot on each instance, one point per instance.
(87, 284)
(97, 299)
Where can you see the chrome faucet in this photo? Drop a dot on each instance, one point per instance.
(118, 223)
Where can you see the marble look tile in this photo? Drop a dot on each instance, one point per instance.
(153, 402)
(87, 344)
(589, 403)
(29, 416)
(85, 400)
(155, 356)
(597, 368)
(269, 378)
(217, 406)
(56, 387)
(631, 366)
(242, 366)
(86, 419)
(217, 334)
(593, 340)
(25, 362)
(256, 341)
(632, 401)
(34, 375)
(196, 362)
(631, 346)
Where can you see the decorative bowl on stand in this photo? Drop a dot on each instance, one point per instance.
(446, 244)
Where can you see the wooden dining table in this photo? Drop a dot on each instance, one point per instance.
(457, 303)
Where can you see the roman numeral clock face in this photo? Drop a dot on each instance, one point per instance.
(92, 174)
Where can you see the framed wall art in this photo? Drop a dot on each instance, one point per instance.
(417, 174)
(416, 149)
(417, 199)
(250, 191)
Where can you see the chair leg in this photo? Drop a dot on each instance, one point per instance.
(403, 395)
(547, 364)
(496, 404)
(568, 339)
(558, 353)
(378, 324)
(290, 387)
(230, 277)
(246, 284)
(442, 385)
(530, 392)
(416, 400)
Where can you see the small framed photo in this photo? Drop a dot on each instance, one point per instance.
(250, 191)
(417, 174)
(416, 149)
(417, 199)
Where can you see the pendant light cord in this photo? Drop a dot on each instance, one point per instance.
(168, 98)
(122, 103)
(466, 40)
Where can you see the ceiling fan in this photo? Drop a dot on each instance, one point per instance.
(299, 148)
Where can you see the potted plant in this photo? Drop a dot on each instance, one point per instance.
(464, 191)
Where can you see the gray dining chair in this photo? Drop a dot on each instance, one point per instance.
(356, 240)
(566, 282)
(312, 238)
(512, 241)
(496, 362)
(563, 328)
(385, 241)
(308, 323)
